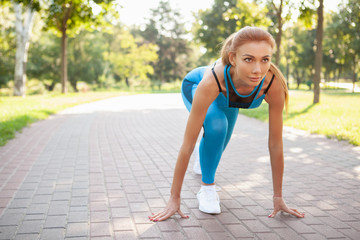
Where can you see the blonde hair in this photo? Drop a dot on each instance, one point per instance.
(247, 34)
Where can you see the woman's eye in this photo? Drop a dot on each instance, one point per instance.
(248, 59)
(265, 60)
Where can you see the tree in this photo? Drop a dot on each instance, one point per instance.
(224, 18)
(302, 53)
(349, 25)
(281, 11)
(68, 17)
(130, 59)
(44, 59)
(23, 26)
(319, 51)
(167, 30)
(7, 44)
(306, 14)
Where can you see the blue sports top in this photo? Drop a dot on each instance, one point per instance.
(236, 100)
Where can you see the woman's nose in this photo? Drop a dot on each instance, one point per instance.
(256, 68)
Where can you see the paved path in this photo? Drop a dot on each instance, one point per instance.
(98, 170)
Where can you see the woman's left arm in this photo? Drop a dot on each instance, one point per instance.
(276, 100)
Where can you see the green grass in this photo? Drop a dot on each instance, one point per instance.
(336, 116)
(18, 112)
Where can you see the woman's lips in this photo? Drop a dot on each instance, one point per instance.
(255, 79)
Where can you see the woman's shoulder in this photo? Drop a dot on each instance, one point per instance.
(275, 90)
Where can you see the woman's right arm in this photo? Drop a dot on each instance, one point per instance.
(206, 93)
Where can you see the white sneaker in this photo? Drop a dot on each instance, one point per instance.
(209, 201)
(197, 168)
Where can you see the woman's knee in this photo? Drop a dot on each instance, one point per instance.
(215, 125)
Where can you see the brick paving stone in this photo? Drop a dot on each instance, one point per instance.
(328, 232)
(29, 217)
(287, 233)
(99, 216)
(173, 236)
(139, 207)
(196, 233)
(120, 212)
(55, 221)
(111, 163)
(128, 235)
(168, 226)
(11, 219)
(53, 234)
(78, 216)
(122, 224)
(342, 216)
(299, 226)
(267, 236)
(256, 226)
(200, 215)
(212, 225)
(315, 236)
(77, 230)
(100, 229)
(31, 236)
(316, 212)
(351, 233)
(30, 227)
(190, 222)
(227, 218)
(223, 235)
(7, 232)
(149, 230)
(239, 231)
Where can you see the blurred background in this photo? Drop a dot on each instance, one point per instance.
(70, 46)
(55, 54)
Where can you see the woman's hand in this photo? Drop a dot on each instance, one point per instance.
(171, 208)
(279, 205)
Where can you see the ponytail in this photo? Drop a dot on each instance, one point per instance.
(226, 49)
(275, 70)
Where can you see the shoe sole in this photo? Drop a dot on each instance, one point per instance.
(204, 211)
(214, 213)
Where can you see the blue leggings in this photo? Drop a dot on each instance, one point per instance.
(218, 126)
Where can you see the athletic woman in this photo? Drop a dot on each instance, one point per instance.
(242, 78)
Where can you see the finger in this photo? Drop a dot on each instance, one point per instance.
(295, 213)
(182, 214)
(164, 217)
(159, 216)
(273, 214)
(295, 210)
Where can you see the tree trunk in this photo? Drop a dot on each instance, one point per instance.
(23, 32)
(63, 62)
(279, 34)
(354, 74)
(67, 11)
(319, 53)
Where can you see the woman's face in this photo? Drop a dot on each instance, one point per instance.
(251, 62)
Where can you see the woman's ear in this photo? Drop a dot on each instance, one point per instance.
(232, 57)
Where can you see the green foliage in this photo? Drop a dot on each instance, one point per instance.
(129, 58)
(79, 15)
(44, 60)
(336, 116)
(224, 18)
(7, 45)
(166, 29)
